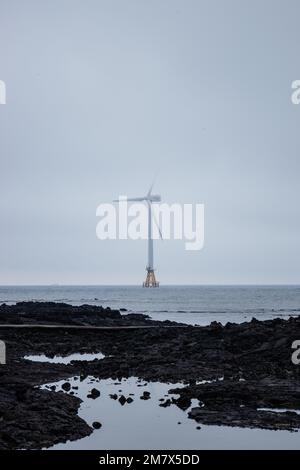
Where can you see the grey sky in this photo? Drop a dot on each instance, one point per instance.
(102, 94)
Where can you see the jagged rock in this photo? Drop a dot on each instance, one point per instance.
(122, 400)
(253, 360)
(94, 393)
(66, 386)
(96, 425)
(166, 403)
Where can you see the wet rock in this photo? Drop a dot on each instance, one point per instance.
(146, 395)
(182, 402)
(47, 411)
(257, 352)
(66, 386)
(22, 392)
(94, 393)
(122, 400)
(96, 425)
(244, 417)
(166, 403)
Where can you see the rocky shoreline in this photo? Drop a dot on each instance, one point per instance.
(239, 373)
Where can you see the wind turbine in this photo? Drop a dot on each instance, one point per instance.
(149, 199)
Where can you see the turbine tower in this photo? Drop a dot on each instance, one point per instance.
(149, 199)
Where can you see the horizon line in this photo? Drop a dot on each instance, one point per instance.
(161, 286)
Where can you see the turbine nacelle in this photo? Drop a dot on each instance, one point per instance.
(154, 198)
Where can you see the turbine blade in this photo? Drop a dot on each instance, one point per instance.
(150, 190)
(136, 199)
(151, 187)
(156, 223)
(153, 182)
(130, 199)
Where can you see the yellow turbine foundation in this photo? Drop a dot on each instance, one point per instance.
(150, 279)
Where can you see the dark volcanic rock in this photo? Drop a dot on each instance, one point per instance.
(245, 417)
(236, 403)
(65, 314)
(66, 386)
(94, 393)
(45, 418)
(166, 403)
(96, 425)
(122, 400)
(253, 359)
(145, 396)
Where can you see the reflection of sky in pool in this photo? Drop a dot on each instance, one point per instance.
(143, 424)
(65, 359)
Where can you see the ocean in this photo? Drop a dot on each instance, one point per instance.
(189, 304)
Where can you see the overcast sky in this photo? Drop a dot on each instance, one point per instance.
(104, 94)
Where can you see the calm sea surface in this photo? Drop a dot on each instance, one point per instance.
(189, 304)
